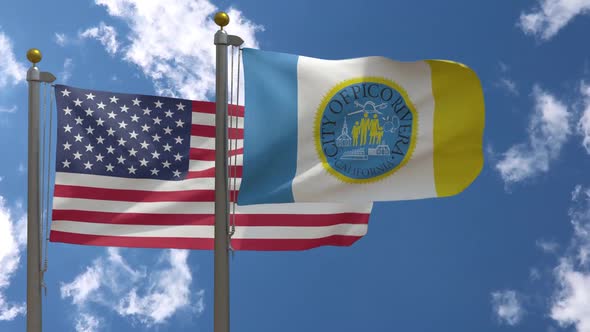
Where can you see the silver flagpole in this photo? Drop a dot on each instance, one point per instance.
(221, 254)
(35, 78)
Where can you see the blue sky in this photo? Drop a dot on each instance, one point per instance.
(511, 253)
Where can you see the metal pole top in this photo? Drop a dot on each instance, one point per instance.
(221, 19)
(34, 55)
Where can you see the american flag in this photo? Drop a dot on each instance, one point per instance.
(138, 171)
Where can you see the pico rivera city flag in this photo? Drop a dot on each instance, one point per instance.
(139, 171)
(358, 130)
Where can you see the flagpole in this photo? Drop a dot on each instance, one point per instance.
(221, 254)
(35, 78)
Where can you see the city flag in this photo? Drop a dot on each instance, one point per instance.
(138, 171)
(358, 130)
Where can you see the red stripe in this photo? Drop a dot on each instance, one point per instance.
(210, 173)
(209, 155)
(135, 195)
(209, 107)
(209, 131)
(278, 220)
(201, 243)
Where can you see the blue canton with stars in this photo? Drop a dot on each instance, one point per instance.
(123, 135)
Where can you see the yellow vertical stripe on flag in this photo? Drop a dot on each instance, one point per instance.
(458, 126)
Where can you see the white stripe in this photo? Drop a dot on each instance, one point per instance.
(199, 231)
(207, 119)
(111, 182)
(200, 165)
(62, 203)
(208, 143)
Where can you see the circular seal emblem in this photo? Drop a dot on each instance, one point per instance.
(365, 129)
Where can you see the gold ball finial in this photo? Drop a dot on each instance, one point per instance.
(34, 55)
(221, 19)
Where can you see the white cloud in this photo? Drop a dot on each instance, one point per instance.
(12, 241)
(87, 323)
(508, 85)
(179, 60)
(571, 303)
(547, 246)
(584, 123)
(549, 129)
(507, 307)
(11, 71)
(550, 16)
(22, 169)
(147, 297)
(106, 34)
(66, 74)
(61, 39)
(10, 109)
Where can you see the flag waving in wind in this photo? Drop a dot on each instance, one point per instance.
(138, 171)
(366, 129)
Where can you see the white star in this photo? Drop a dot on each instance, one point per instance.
(99, 140)
(157, 120)
(178, 140)
(145, 127)
(89, 148)
(121, 159)
(112, 115)
(123, 125)
(88, 165)
(176, 173)
(146, 111)
(144, 145)
(155, 171)
(65, 93)
(78, 102)
(122, 141)
(90, 96)
(67, 128)
(133, 152)
(168, 114)
(67, 111)
(77, 155)
(67, 145)
(109, 167)
(110, 132)
(136, 102)
(111, 149)
(66, 163)
(168, 131)
(78, 138)
(89, 111)
(90, 130)
(155, 155)
(158, 104)
(132, 169)
(167, 147)
(134, 118)
(99, 157)
(179, 123)
(143, 162)
(180, 106)
(101, 105)
(166, 164)
(133, 134)
(79, 120)
(156, 137)
(114, 99)
(99, 121)
(124, 108)
(177, 157)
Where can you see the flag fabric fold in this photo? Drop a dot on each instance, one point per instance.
(138, 171)
(358, 130)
